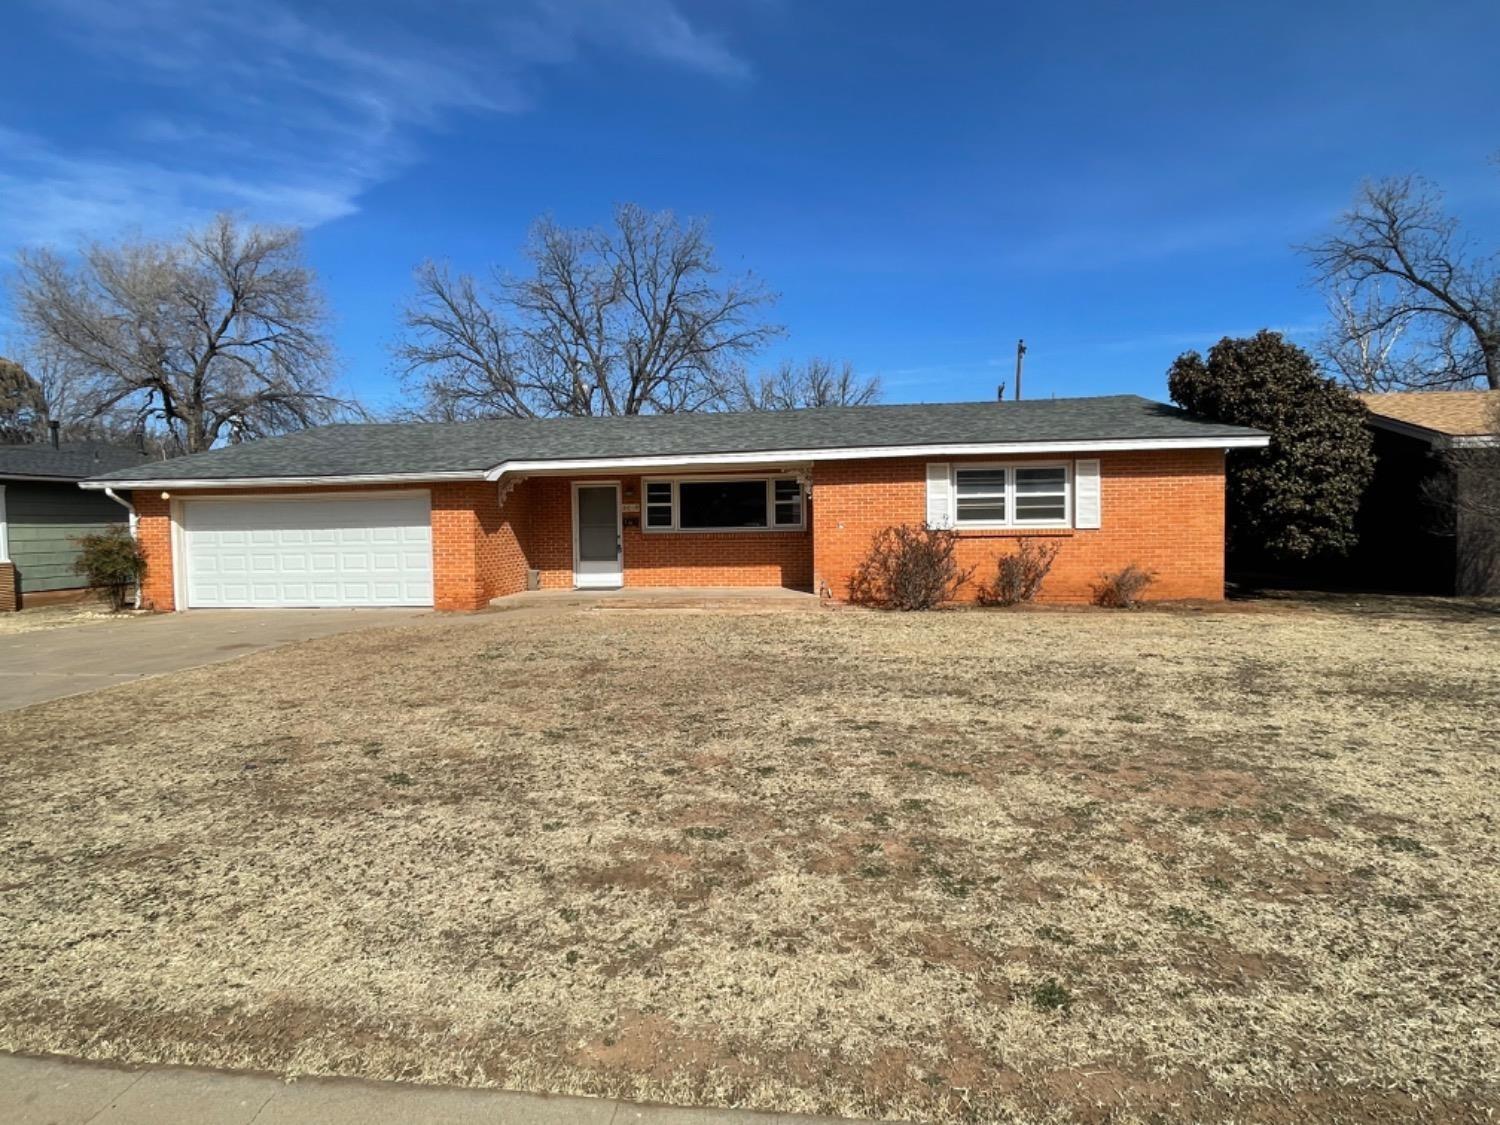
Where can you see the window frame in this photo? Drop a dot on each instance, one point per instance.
(767, 479)
(1011, 523)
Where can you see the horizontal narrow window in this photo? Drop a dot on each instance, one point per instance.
(710, 504)
(723, 504)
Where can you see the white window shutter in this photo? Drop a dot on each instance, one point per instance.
(1086, 498)
(939, 498)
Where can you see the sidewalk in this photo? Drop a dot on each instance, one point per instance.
(54, 1091)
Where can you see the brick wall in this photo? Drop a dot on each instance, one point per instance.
(9, 599)
(689, 558)
(1163, 510)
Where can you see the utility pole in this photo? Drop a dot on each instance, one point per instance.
(1020, 355)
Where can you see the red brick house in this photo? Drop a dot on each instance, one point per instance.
(453, 515)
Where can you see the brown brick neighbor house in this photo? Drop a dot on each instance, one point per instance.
(1426, 519)
(453, 515)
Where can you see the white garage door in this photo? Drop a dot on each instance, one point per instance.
(318, 551)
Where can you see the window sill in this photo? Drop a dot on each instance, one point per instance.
(1016, 532)
(723, 530)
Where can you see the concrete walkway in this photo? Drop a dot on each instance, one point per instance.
(51, 1091)
(749, 599)
(52, 663)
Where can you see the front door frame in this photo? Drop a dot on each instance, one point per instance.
(613, 580)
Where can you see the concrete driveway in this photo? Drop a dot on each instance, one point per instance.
(49, 664)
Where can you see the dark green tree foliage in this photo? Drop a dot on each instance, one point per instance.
(1297, 498)
(23, 406)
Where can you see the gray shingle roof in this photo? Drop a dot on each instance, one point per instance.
(73, 460)
(458, 447)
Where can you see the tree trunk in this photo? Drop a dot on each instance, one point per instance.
(1491, 350)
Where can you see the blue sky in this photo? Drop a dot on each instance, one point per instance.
(921, 183)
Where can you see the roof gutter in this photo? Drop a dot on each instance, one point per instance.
(1435, 438)
(860, 453)
(165, 483)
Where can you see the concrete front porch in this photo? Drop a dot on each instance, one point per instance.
(721, 598)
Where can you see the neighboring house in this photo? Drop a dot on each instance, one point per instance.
(43, 511)
(1415, 531)
(453, 515)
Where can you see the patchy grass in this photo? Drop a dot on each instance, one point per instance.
(1158, 866)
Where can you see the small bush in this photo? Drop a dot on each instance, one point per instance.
(1123, 589)
(112, 561)
(1019, 576)
(1049, 996)
(908, 568)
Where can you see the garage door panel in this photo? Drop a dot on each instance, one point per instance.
(322, 551)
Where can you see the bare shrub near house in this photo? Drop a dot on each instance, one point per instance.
(112, 562)
(908, 568)
(1122, 589)
(1020, 574)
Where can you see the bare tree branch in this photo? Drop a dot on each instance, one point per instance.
(818, 382)
(1413, 305)
(635, 319)
(218, 336)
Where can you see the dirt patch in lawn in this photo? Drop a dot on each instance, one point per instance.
(964, 866)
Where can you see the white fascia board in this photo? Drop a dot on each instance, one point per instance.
(1408, 429)
(764, 457)
(285, 482)
(1433, 437)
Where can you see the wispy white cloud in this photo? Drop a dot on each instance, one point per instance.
(290, 116)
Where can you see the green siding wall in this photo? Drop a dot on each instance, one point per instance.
(43, 521)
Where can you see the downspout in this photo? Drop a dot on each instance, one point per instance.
(134, 529)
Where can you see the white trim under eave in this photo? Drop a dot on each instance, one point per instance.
(286, 482)
(1434, 438)
(765, 457)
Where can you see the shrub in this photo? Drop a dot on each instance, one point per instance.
(112, 561)
(1019, 576)
(1123, 589)
(908, 568)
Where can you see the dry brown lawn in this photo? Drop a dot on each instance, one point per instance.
(57, 616)
(958, 866)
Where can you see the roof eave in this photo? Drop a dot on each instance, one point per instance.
(166, 484)
(761, 457)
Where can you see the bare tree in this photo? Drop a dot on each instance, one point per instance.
(630, 320)
(216, 336)
(1361, 343)
(1415, 306)
(818, 382)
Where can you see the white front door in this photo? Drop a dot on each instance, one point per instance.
(596, 536)
(307, 551)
